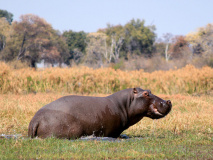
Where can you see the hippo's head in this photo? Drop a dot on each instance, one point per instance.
(150, 105)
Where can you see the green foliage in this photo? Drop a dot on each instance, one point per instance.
(76, 42)
(137, 38)
(7, 15)
(117, 31)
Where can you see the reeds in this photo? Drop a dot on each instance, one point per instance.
(104, 80)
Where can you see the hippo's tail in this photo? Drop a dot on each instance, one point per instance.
(32, 130)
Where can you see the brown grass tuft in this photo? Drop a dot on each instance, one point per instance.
(86, 80)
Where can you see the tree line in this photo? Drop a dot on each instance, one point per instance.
(32, 40)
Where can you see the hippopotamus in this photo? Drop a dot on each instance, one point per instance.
(73, 116)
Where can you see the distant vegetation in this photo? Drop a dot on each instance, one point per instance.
(129, 47)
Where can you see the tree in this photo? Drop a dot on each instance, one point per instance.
(4, 31)
(76, 42)
(168, 40)
(132, 38)
(113, 42)
(62, 47)
(58, 52)
(116, 47)
(96, 48)
(179, 45)
(7, 15)
(6, 18)
(32, 40)
(139, 39)
(163, 45)
(202, 40)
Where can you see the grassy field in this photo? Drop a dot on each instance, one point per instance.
(186, 133)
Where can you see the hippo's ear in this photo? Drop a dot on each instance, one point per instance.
(135, 91)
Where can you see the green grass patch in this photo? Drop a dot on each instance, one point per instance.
(169, 146)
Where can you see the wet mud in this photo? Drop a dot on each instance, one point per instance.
(85, 138)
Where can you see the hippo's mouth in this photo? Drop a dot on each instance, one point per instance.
(155, 110)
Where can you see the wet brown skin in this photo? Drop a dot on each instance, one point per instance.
(75, 116)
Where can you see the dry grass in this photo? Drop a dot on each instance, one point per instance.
(189, 113)
(16, 111)
(187, 80)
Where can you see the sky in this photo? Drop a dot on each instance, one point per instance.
(178, 17)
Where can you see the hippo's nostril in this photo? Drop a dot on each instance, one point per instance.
(168, 102)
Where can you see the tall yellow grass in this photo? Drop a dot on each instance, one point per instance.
(104, 80)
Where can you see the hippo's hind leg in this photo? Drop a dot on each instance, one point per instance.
(69, 128)
(68, 131)
(60, 125)
(71, 131)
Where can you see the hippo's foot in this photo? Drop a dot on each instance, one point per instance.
(123, 136)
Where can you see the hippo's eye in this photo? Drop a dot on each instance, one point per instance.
(146, 93)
